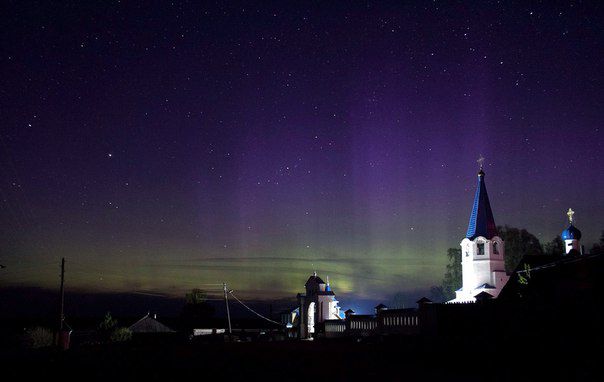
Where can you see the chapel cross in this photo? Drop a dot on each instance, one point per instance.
(570, 214)
(480, 161)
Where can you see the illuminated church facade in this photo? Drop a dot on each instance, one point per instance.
(482, 251)
(316, 306)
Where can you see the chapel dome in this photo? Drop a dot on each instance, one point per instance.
(571, 233)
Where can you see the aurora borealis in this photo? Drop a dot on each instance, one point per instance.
(164, 146)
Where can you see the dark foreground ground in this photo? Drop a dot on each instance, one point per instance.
(397, 359)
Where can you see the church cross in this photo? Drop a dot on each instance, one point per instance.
(480, 161)
(570, 214)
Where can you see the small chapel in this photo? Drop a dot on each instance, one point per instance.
(571, 236)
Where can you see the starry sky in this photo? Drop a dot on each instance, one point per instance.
(160, 146)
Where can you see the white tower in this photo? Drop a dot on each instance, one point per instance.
(571, 236)
(482, 251)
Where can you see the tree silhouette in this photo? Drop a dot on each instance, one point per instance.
(554, 247)
(110, 332)
(108, 323)
(452, 278)
(120, 335)
(518, 243)
(196, 311)
(598, 248)
(38, 337)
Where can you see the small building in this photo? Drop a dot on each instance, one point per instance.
(149, 325)
(379, 308)
(571, 236)
(290, 320)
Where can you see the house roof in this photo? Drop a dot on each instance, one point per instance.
(485, 286)
(481, 222)
(290, 311)
(556, 278)
(483, 296)
(149, 324)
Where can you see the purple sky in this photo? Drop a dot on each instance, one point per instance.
(162, 147)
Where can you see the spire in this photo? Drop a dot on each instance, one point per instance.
(482, 222)
(327, 287)
(481, 163)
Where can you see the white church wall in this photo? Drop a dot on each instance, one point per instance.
(311, 317)
(478, 269)
(329, 309)
(569, 245)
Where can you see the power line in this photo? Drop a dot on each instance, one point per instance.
(253, 311)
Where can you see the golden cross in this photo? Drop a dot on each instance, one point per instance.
(570, 214)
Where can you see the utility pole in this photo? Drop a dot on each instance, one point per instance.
(61, 304)
(226, 301)
(62, 316)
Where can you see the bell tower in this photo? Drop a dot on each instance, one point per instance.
(482, 250)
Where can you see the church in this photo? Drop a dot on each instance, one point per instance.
(316, 306)
(482, 251)
(488, 294)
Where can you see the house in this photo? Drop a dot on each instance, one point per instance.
(149, 325)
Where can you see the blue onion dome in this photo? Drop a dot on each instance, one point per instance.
(571, 233)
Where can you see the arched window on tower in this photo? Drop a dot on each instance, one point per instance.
(480, 249)
(496, 248)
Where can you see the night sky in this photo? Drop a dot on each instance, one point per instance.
(163, 146)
